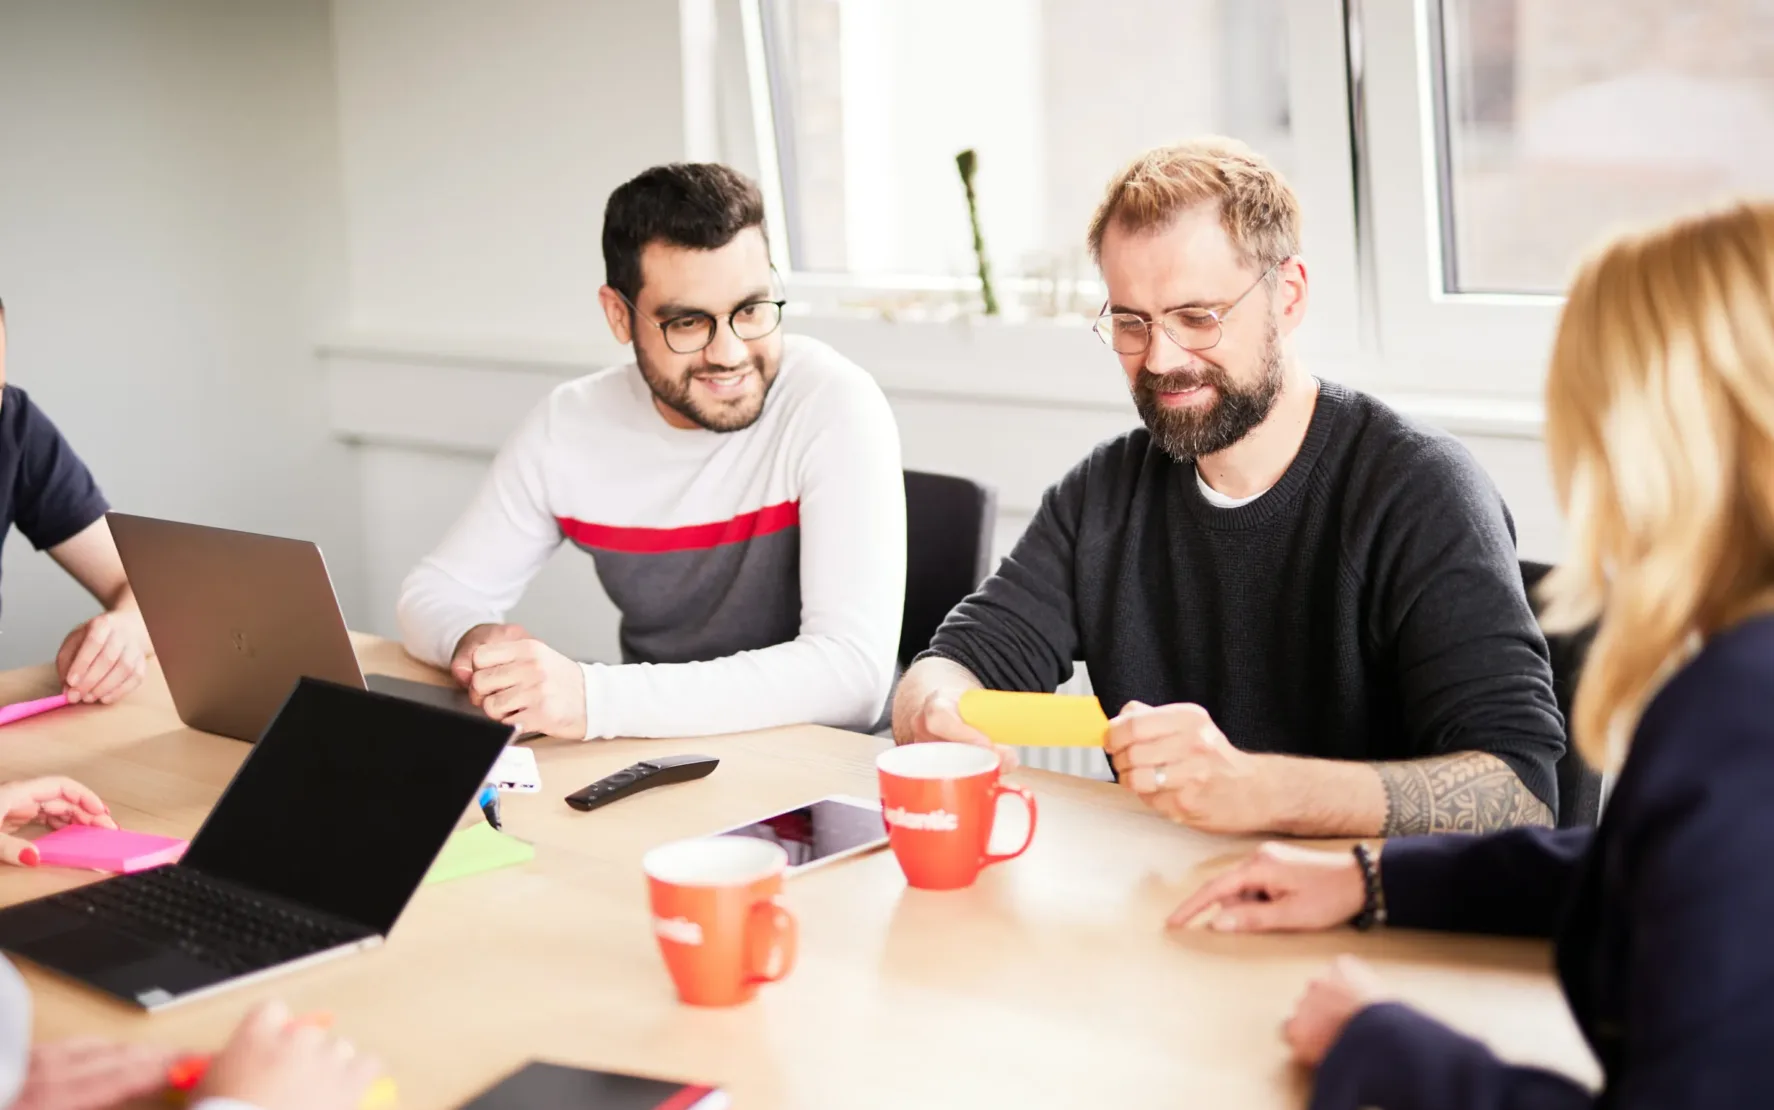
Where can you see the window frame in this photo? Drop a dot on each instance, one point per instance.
(1500, 339)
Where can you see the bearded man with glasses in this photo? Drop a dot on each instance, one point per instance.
(1302, 612)
(738, 491)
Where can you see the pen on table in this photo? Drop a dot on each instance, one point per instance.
(489, 805)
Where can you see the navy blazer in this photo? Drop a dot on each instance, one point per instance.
(1663, 916)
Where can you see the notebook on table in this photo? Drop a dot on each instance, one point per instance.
(543, 1086)
(312, 852)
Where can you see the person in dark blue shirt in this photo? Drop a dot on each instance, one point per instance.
(1660, 428)
(50, 495)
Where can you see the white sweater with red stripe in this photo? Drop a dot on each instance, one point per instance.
(760, 574)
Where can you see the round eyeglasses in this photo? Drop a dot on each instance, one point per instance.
(1191, 328)
(689, 332)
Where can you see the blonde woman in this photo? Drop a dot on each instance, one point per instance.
(1660, 429)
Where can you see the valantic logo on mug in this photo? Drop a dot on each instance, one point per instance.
(939, 802)
(716, 917)
(939, 821)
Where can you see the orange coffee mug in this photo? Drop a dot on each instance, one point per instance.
(939, 801)
(716, 917)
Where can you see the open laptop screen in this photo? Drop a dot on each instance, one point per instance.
(346, 799)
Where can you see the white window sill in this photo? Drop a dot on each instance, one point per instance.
(466, 394)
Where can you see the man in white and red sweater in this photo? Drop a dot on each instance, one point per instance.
(738, 491)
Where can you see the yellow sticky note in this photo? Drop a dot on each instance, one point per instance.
(1036, 720)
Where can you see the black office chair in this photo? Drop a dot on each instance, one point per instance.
(949, 523)
(1579, 784)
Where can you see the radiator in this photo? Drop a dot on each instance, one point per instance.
(1087, 763)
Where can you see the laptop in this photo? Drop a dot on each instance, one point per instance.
(311, 853)
(237, 617)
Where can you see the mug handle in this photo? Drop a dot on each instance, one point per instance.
(998, 791)
(770, 930)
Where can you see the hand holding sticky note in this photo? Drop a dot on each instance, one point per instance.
(1035, 720)
(187, 1072)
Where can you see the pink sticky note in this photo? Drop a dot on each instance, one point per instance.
(19, 710)
(99, 849)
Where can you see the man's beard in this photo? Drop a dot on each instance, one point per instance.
(674, 393)
(1185, 434)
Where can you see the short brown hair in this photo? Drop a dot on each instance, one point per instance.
(698, 205)
(1258, 208)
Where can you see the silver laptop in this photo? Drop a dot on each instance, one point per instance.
(236, 618)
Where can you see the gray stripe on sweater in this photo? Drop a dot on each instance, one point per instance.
(692, 606)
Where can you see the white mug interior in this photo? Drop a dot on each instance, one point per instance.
(937, 760)
(715, 861)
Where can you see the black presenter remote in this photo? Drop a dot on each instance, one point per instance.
(643, 775)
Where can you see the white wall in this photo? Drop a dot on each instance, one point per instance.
(170, 243)
(480, 142)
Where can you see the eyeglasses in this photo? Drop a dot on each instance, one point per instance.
(690, 332)
(1192, 329)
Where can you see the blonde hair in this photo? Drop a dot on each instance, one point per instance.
(1258, 208)
(1660, 431)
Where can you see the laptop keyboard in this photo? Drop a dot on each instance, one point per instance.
(219, 925)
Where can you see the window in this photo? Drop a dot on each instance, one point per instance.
(1562, 119)
(1453, 157)
(1499, 139)
(873, 99)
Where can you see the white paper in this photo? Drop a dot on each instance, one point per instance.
(516, 770)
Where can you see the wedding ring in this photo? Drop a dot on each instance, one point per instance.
(1158, 776)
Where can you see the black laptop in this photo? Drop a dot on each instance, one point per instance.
(312, 852)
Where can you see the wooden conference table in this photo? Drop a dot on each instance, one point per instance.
(1051, 982)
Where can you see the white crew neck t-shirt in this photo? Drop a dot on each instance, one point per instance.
(1219, 500)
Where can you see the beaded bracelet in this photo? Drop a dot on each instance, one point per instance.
(1373, 906)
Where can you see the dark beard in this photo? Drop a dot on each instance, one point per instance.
(1184, 434)
(674, 394)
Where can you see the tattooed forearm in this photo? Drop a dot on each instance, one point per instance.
(1470, 792)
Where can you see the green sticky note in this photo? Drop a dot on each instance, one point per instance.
(475, 849)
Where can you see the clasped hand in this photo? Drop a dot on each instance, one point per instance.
(521, 681)
(1179, 763)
